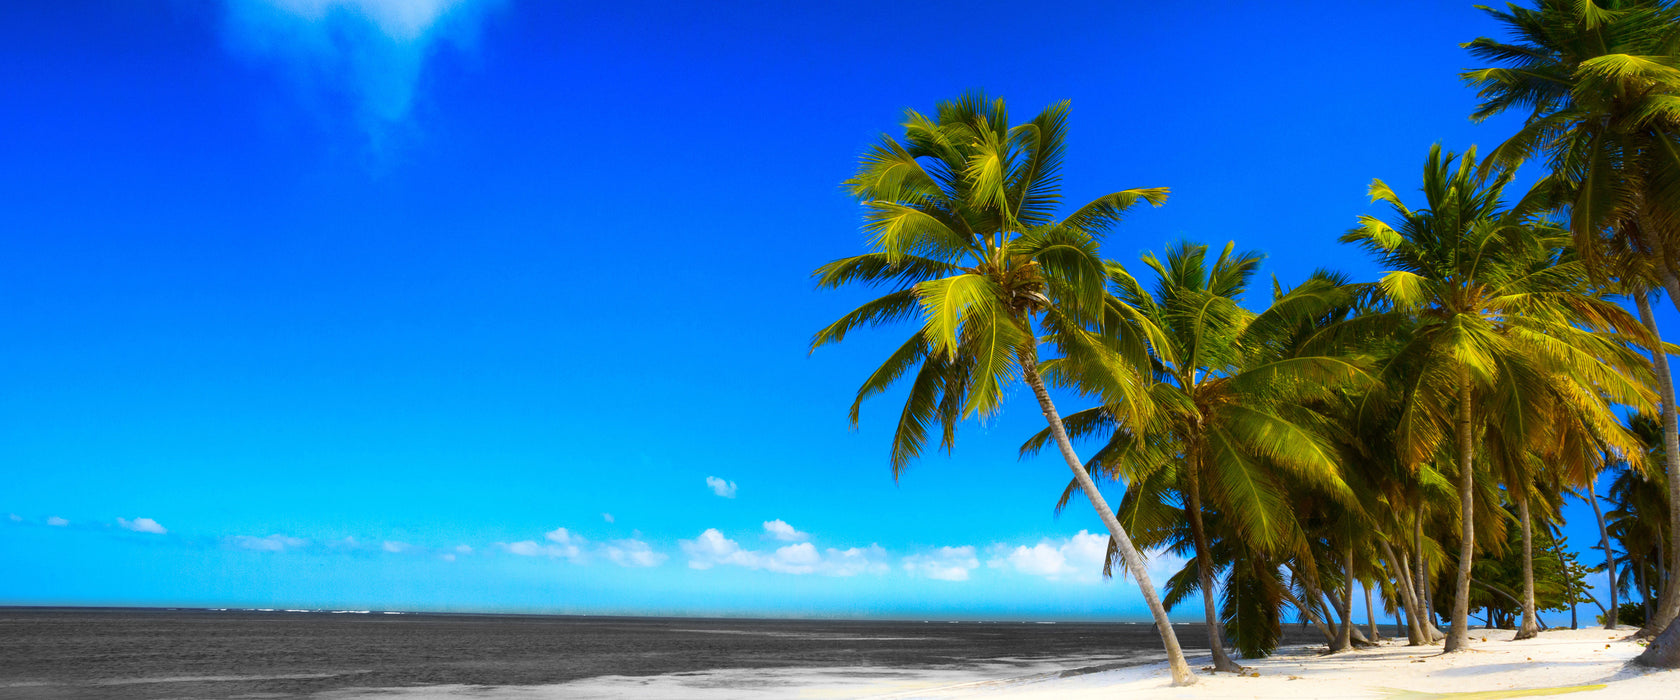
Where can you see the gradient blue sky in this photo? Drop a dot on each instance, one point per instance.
(459, 305)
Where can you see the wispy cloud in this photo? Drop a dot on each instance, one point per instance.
(396, 547)
(945, 563)
(56, 521)
(721, 487)
(712, 548)
(607, 517)
(372, 52)
(271, 543)
(633, 553)
(780, 530)
(146, 525)
(560, 544)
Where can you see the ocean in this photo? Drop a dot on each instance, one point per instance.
(157, 653)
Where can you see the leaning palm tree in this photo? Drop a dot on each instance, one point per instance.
(1496, 309)
(1235, 389)
(961, 216)
(1600, 83)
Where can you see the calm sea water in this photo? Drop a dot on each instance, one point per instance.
(142, 653)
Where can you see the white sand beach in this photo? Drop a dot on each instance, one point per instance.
(1586, 663)
(1581, 663)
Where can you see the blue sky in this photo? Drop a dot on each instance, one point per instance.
(464, 305)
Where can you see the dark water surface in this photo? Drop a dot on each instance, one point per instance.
(147, 653)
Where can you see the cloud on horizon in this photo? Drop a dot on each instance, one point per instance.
(944, 564)
(271, 543)
(633, 553)
(370, 52)
(1078, 558)
(712, 548)
(146, 525)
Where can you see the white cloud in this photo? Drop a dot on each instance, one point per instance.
(721, 487)
(526, 548)
(607, 517)
(14, 517)
(271, 543)
(711, 548)
(945, 563)
(146, 525)
(371, 51)
(784, 532)
(447, 557)
(561, 544)
(463, 549)
(799, 558)
(856, 560)
(568, 544)
(56, 521)
(396, 547)
(634, 553)
(1077, 558)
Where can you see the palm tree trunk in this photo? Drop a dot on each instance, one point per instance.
(1310, 611)
(1204, 564)
(1426, 601)
(1344, 635)
(1530, 627)
(1609, 554)
(1134, 561)
(1371, 616)
(1669, 609)
(1459, 637)
(1568, 576)
(1415, 635)
(1644, 591)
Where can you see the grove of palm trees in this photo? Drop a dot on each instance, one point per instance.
(1328, 449)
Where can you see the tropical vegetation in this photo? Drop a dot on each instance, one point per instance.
(1413, 438)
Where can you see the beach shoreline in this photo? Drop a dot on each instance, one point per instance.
(1585, 663)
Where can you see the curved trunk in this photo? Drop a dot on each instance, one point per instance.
(1134, 561)
(1530, 627)
(1459, 637)
(1311, 612)
(1344, 635)
(1204, 565)
(1669, 608)
(1609, 554)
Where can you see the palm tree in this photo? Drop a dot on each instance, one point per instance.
(1601, 86)
(960, 212)
(1496, 308)
(1602, 91)
(1234, 395)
